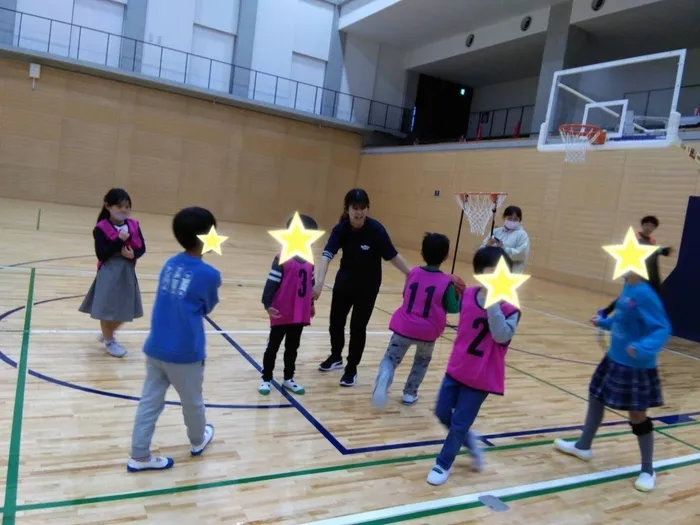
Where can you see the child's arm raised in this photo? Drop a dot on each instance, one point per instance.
(502, 329)
(104, 248)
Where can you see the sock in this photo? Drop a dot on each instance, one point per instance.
(646, 448)
(594, 418)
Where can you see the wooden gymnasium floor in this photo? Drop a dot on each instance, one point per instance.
(324, 457)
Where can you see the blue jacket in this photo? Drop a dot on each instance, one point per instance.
(639, 321)
(187, 291)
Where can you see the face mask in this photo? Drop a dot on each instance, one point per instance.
(511, 225)
(119, 216)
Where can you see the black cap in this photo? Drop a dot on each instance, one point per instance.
(356, 196)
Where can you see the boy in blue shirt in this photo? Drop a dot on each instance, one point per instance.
(627, 378)
(175, 347)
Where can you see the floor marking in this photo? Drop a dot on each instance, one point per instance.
(12, 480)
(468, 501)
(292, 474)
(556, 316)
(209, 332)
(493, 503)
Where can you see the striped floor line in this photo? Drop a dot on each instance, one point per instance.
(469, 501)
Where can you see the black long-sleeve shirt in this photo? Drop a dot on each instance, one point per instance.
(363, 251)
(105, 248)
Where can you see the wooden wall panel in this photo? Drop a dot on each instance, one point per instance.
(74, 136)
(569, 211)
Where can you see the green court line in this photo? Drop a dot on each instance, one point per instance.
(12, 481)
(38, 219)
(292, 474)
(526, 495)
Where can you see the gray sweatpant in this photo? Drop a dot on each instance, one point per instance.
(398, 346)
(187, 381)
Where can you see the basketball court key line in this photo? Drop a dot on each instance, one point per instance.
(470, 501)
(292, 474)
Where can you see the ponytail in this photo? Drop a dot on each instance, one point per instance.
(104, 214)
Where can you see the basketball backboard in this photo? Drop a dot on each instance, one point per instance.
(635, 100)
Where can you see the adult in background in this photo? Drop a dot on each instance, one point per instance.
(365, 243)
(512, 238)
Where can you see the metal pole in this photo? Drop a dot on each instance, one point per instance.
(19, 31)
(80, 34)
(277, 81)
(315, 99)
(209, 83)
(48, 47)
(107, 50)
(296, 94)
(160, 66)
(459, 232)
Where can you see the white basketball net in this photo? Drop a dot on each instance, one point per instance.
(479, 208)
(576, 141)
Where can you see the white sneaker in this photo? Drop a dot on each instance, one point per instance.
(115, 349)
(438, 475)
(208, 436)
(569, 447)
(409, 399)
(293, 386)
(264, 388)
(476, 451)
(381, 388)
(154, 463)
(645, 482)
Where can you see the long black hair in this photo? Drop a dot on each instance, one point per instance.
(113, 197)
(354, 196)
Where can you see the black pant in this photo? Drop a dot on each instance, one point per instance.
(362, 303)
(291, 333)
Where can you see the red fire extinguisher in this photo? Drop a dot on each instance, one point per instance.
(478, 132)
(516, 132)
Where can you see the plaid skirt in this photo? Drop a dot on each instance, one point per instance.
(626, 388)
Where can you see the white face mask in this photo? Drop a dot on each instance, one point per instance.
(511, 225)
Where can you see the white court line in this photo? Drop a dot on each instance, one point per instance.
(210, 332)
(593, 328)
(532, 489)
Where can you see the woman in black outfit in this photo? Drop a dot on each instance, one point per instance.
(365, 243)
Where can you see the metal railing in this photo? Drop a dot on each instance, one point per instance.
(38, 33)
(500, 123)
(656, 102)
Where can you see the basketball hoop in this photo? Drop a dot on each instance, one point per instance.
(479, 207)
(577, 138)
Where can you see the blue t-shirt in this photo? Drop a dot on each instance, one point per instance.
(187, 291)
(639, 321)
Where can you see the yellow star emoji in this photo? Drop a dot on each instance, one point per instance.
(501, 285)
(630, 256)
(212, 241)
(296, 240)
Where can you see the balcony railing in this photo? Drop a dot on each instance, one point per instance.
(38, 33)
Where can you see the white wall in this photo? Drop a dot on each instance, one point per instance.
(389, 88)
(360, 58)
(88, 42)
(205, 29)
(292, 41)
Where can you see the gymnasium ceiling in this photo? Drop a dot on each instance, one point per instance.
(661, 26)
(412, 23)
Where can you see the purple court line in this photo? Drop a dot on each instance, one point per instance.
(487, 439)
(9, 361)
(311, 419)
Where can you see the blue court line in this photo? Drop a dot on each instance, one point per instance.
(9, 361)
(311, 419)
(486, 438)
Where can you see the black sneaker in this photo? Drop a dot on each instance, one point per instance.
(348, 379)
(331, 363)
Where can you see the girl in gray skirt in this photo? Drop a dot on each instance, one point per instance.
(114, 297)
